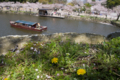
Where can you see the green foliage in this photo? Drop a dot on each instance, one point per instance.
(71, 4)
(112, 3)
(83, 9)
(82, 16)
(101, 61)
(77, 10)
(88, 5)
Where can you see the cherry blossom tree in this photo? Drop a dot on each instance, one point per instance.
(117, 10)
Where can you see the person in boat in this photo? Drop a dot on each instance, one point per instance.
(29, 26)
(38, 25)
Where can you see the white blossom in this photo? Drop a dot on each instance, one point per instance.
(31, 48)
(35, 50)
(62, 68)
(37, 76)
(41, 76)
(36, 69)
(65, 70)
(67, 54)
(74, 69)
(83, 65)
(58, 74)
(47, 76)
(75, 78)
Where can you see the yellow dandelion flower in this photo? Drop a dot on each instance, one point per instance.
(6, 79)
(54, 60)
(81, 71)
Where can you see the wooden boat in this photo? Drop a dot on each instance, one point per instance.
(28, 25)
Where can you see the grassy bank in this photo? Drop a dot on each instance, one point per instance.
(58, 60)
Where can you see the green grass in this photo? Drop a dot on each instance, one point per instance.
(101, 61)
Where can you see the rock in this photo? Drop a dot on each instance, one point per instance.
(113, 35)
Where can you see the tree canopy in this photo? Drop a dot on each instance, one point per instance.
(41, 1)
(112, 3)
(88, 5)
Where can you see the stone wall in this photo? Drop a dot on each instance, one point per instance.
(89, 18)
(113, 35)
(9, 42)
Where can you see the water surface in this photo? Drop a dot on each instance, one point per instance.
(54, 25)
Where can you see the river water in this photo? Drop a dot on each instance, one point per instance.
(54, 25)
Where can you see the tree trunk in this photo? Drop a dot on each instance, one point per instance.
(106, 16)
(118, 17)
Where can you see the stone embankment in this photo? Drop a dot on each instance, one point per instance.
(9, 42)
(90, 19)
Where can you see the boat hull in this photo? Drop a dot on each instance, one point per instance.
(61, 17)
(28, 28)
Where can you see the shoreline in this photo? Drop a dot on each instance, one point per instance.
(9, 42)
(80, 17)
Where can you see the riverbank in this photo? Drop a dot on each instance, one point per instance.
(90, 19)
(72, 17)
(116, 23)
(87, 17)
(58, 56)
(9, 42)
(20, 12)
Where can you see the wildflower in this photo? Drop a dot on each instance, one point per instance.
(65, 70)
(75, 78)
(67, 54)
(34, 44)
(74, 69)
(81, 71)
(37, 76)
(83, 65)
(31, 48)
(36, 69)
(47, 76)
(62, 68)
(58, 74)
(35, 50)
(6, 79)
(41, 76)
(54, 60)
